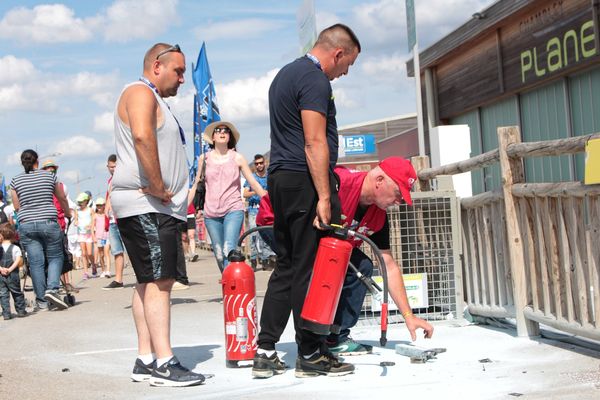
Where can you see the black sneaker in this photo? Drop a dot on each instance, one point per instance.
(142, 372)
(113, 285)
(173, 374)
(7, 317)
(266, 367)
(54, 299)
(321, 364)
(21, 314)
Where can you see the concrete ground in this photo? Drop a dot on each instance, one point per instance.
(87, 352)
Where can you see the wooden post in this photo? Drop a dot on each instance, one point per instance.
(419, 163)
(512, 172)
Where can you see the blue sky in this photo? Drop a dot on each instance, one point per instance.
(64, 64)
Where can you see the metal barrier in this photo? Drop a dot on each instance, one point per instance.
(425, 242)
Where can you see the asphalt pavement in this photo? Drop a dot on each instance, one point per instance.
(88, 351)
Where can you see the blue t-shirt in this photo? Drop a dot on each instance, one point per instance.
(300, 85)
(254, 200)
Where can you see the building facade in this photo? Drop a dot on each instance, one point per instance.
(530, 63)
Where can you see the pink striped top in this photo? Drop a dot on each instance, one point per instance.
(223, 188)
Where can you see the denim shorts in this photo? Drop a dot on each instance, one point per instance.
(115, 241)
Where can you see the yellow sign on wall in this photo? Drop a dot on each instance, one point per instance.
(416, 291)
(592, 162)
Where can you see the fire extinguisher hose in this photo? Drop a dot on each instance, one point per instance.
(367, 281)
(251, 231)
(384, 304)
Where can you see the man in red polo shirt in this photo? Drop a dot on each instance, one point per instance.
(364, 198)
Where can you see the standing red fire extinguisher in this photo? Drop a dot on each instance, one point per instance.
(239, 307)
(329, 272)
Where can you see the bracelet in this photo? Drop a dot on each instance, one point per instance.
(407, 314)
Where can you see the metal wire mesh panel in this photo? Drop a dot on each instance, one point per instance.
(425, 242)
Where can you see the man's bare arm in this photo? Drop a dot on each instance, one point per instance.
(317, 158)
(140, 111)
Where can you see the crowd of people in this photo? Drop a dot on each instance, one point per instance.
(87, 238)
(147, 213)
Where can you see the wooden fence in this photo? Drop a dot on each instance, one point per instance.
(531, 251)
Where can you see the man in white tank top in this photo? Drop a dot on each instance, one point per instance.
(149, 198)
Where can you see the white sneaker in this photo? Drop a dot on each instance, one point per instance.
(180, 286)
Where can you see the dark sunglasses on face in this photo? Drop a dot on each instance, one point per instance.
(259, 162)
(174, 48)
(223, 130)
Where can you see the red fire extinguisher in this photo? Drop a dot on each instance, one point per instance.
(329, 272)
(239, 308)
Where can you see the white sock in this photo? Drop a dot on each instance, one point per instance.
(267, 353)
(147, 359)
(161, 361)
(306, 357)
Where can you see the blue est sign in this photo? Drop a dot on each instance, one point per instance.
(359, 144)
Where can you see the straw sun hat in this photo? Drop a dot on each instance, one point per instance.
(208, 132)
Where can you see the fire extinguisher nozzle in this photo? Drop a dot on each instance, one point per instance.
(383, 339)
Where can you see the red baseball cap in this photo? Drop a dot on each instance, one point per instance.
(402, 172)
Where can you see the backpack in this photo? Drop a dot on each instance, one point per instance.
(3, 216)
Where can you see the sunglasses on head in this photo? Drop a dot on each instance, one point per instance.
(222, 130)
(174, 48)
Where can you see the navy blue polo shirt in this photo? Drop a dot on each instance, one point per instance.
(300, 85)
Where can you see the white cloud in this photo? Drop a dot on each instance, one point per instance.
(14, 158)
(384, 22)
(236, 29)
(138, 19)
(79, 146)
(245, 99)
(343, 98)
(385, 68)
(123, 21)
(12, 97)
(15, 69)
(71, 175)
(49, 92)
(104, 123)
(325, 19)
(100, 88)
(47, 23)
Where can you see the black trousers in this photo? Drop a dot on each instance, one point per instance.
(294, 200)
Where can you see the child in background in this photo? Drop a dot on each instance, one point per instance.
(100, 236)
(84, 218)
(74, 248)
(10, 260)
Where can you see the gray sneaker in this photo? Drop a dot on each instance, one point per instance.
(41, 306)
(173, 374)
(54, 298)
(321, 364)
(266, 367)
(142, 372)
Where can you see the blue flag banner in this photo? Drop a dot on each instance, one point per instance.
(4, 192)
(206, 110)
